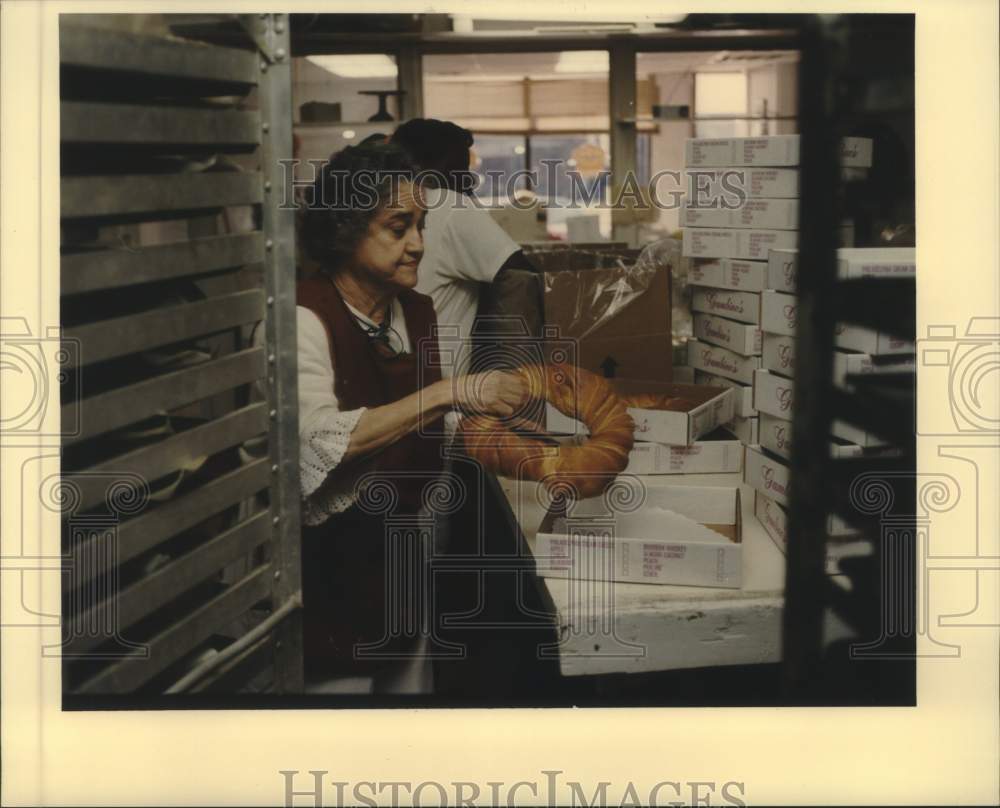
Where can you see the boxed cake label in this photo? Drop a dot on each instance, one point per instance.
(722, 361)
(763, 214)
(718, 454)
(778, 313)
(699, 242)
(742, 338)
(766, 474)
(782, 264)
(667, 541)
(778, 354)
(733, 181)
(773, 394)
(776, 435)
(733, 305)
(773, 150)
(769, 150)
(729, 273)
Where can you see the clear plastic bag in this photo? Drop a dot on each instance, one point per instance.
(590, 298)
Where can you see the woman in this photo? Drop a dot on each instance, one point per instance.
(371, 412)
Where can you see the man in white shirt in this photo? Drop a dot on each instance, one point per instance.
(470, 265)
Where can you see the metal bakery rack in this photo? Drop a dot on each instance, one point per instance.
(179, 462)
(847, 62)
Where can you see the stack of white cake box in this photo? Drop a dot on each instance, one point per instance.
(740, 222)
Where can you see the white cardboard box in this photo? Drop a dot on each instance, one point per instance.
(722, 361)
(762, 214)
(782, 264)
(778, 353)
(856, 152)
(687, 535)
(774, 150)
(729, 273)
(773, 394)
(711, 408)
(740, 337)
(778, 312)
(867, 340)
(716, 453)
(778, 356)
(769, 150)
(852, 434)
(766, 474)
(774, 520)
(771, 476)
(850, 363)
(741, 306)
(764, 182)
(746, 429)
(743, 406)
(845, 364)
(705, 242)
(776, 437)
(852, 262)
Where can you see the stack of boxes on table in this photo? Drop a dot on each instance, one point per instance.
(743, 270)
(613, 315)
(729, 246)
(857, 350)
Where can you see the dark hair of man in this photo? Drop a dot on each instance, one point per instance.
(441, 147)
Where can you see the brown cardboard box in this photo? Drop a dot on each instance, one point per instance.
(617, 321)
(648, 356)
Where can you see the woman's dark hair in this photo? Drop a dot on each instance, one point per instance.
(350, 189)
(438, 146)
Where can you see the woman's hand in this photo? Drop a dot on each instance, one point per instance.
(498, 393)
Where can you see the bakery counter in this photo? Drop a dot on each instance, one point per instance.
(612, 627)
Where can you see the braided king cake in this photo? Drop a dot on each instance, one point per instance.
(583, 471)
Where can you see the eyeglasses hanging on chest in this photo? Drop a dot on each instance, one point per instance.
(386, 339)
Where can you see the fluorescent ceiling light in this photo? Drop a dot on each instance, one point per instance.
(582, 62)
(361, 66)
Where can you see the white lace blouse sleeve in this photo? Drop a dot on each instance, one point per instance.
(324, 429)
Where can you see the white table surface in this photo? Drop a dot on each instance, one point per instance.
(634, 628)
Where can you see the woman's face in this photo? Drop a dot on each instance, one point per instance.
(391, 250)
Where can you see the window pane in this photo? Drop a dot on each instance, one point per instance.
(582, 160)
(518, 92)
(501, 156)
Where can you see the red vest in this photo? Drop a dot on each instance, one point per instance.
(365, 378)
(344, 560)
